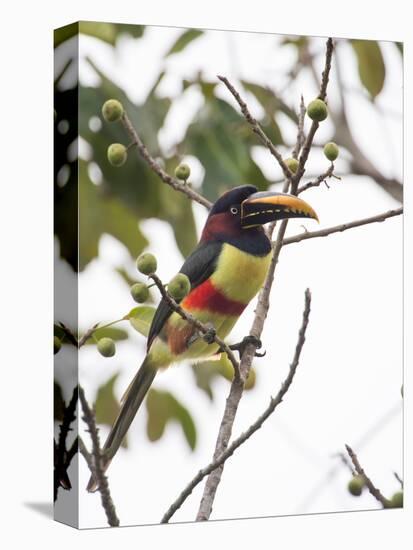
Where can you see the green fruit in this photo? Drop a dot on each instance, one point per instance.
(106, 347)
(182, 172)
(250, 381)
(356, 485)
(397, 500)
(317, 110)
(112, 110)
(331, 150)
(179, 286)
(117, 154)
(57, 344)
(146, 263)
(292, 164)
(140, 292)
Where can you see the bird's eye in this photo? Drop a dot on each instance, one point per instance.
(234, 210)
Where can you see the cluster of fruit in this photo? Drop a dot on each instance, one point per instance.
(317, 111)
(357, 484)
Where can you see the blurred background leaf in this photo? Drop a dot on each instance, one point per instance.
(186, 38)
(162, 408)
(371, 67)
(205, 372)
(107, 406)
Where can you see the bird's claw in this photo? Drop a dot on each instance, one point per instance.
(240, 346)
(210, 334)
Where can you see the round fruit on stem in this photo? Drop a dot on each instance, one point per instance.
(106, 347)
(397, 500)
(317, 110)
(331, 150)
(179, 286)
(292, 164)
(117, 154)
(146, 263)
(182, 172)
(112, 110)
(356, 485)
(139, 292)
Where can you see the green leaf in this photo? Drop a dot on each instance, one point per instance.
(116, 334)
(206, 372)
(221, 140)
(140, 318)
(272, 104)
(107, 32)
(371, 67)
(186, 38)
(107, 406)
(162, 408)
(100, 212)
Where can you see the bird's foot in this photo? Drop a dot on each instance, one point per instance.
(210, 335)
(240, 346)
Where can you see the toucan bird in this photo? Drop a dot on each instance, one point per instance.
(226, 270)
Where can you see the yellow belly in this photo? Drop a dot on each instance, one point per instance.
(240, 275)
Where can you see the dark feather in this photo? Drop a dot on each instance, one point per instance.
(199, 266)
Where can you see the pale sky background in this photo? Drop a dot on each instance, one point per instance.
(351, 369)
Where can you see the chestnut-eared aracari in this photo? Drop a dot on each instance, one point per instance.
(226, 270)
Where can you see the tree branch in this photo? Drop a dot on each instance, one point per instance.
(94, 461)
(343, 227)
(63, 457)
(300, 130)
(256, 128)
(315, 183)
(314, 126)
(165, 177)
(274, 402)
(207, 330)
(236, 389)
(369, 484)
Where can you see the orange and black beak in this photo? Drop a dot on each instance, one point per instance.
(267, 206)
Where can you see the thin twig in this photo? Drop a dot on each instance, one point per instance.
(155, 166)
(69, 334)
(369, 484)
(315, 183)
(62, 459)
(274, 402)
(95, 464)
(206, 330)
(399, 479)
(343, 227)
(314, 126)
(300, 130)
(256, 128)
(87, 335)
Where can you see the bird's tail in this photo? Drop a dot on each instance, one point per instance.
(130, 404)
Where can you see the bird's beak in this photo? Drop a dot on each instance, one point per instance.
(267, 206)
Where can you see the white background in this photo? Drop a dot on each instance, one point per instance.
(26, 218)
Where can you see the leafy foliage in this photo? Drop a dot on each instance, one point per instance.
(372, 70)
(162, 408)
(206, 372)
(107, 406)
(186, 38)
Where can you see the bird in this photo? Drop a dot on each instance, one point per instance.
(226, 270)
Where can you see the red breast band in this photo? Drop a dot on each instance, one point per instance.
(206, 296)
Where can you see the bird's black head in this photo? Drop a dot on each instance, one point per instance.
(243, 210)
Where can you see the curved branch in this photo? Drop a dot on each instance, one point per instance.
(155, 166)
(343, 227)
